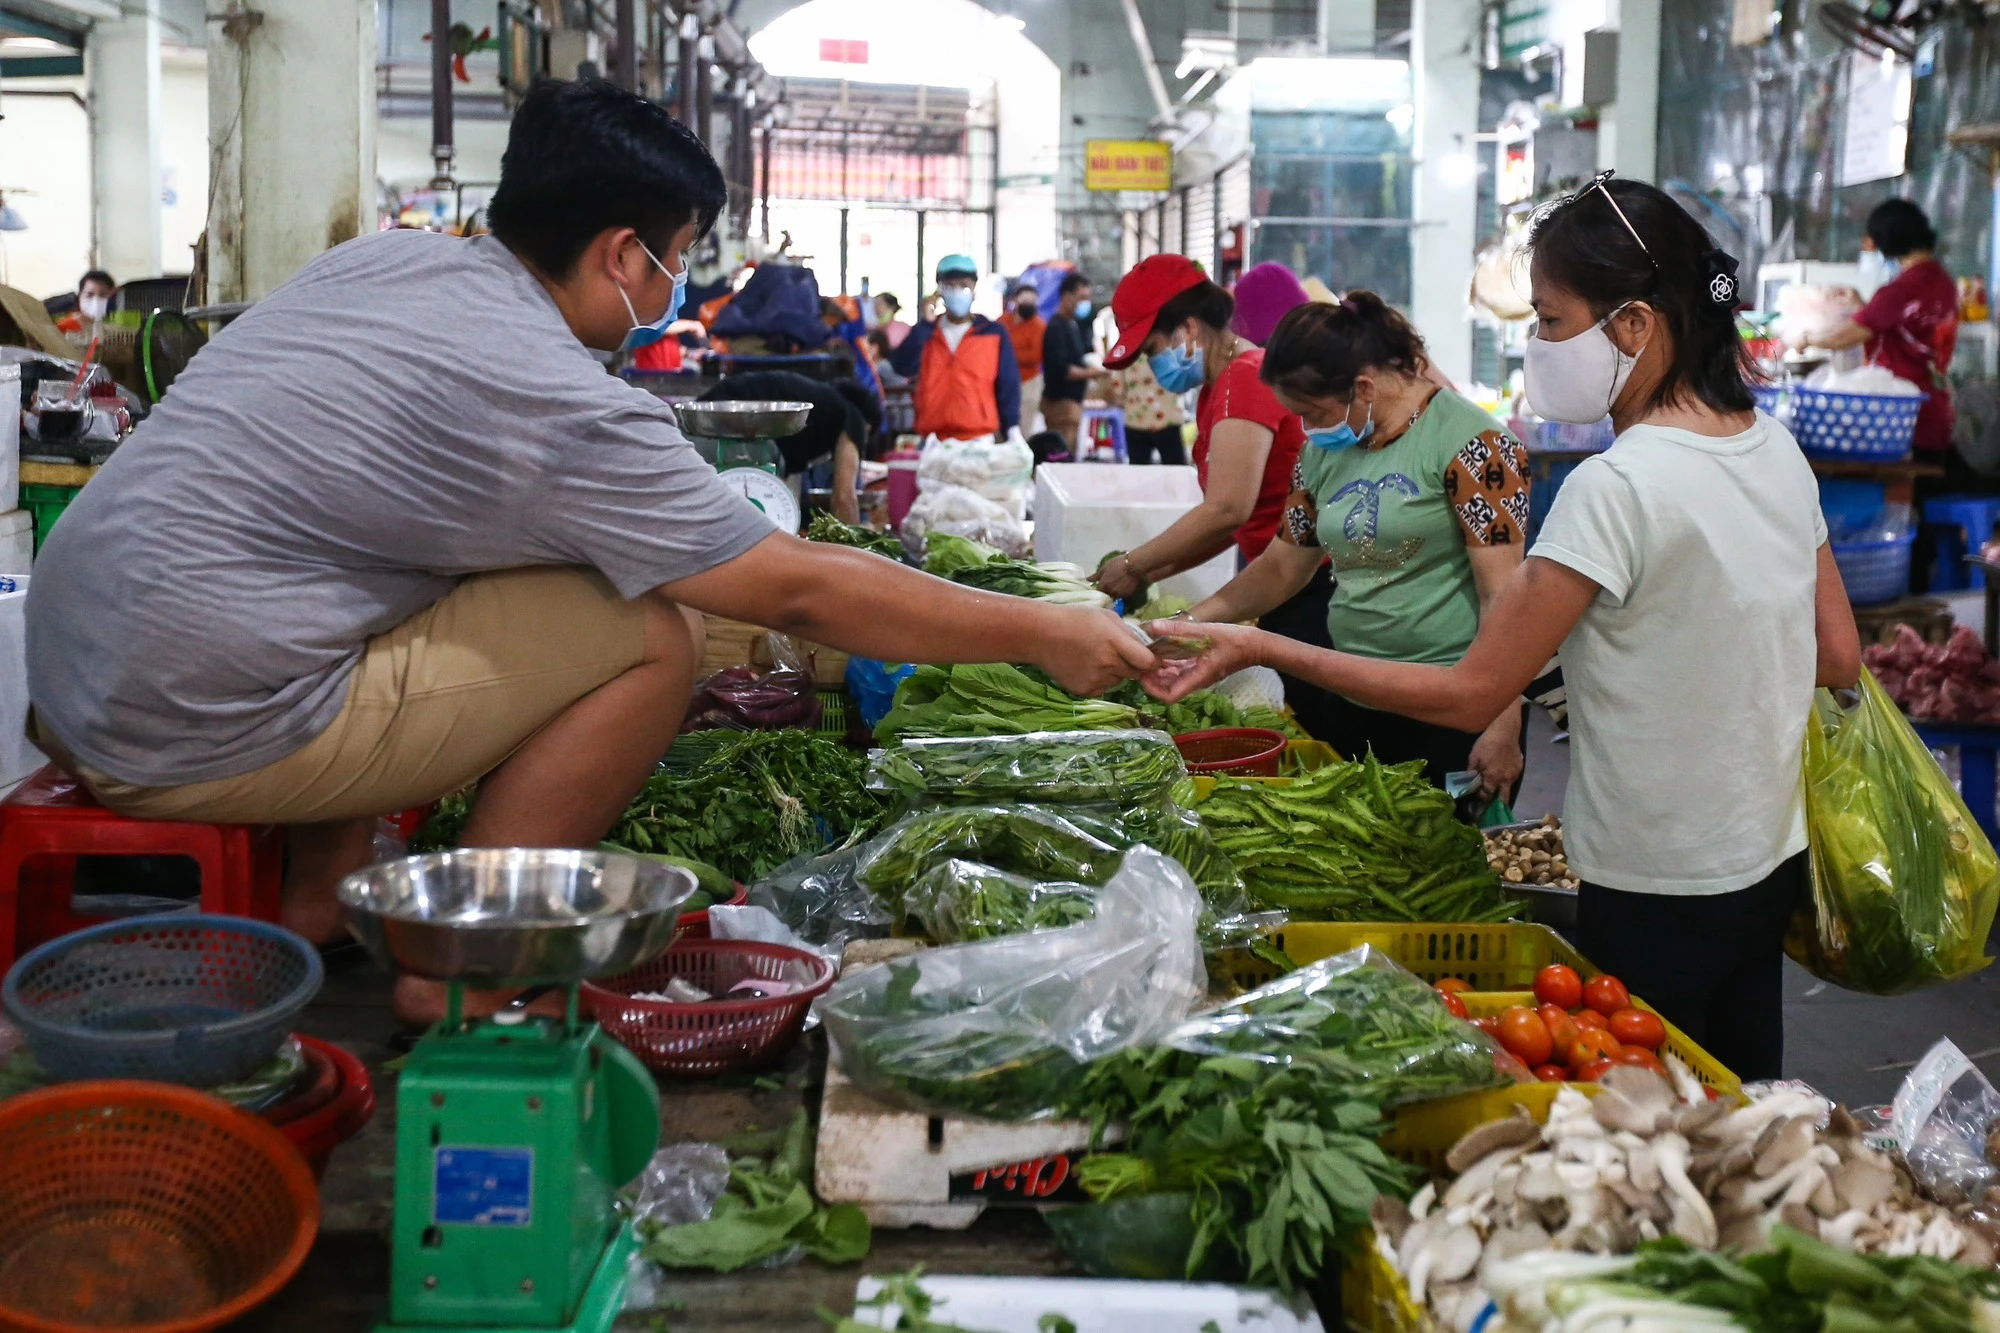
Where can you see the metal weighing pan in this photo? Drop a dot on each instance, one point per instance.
(742, 421)
(1547, 905)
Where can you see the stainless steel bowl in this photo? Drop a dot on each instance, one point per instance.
(742, 421)
(516, 916)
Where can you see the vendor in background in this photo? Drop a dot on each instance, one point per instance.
(407, 580)
(1265, 294)
(1066, 355)
(887, 311)
(1910, 325)
(968, 386)
(1420, 500)
(847, 329)
(844, 418)
(1153, 417)
(1685, 575)
(1025, 325)
(876, 343)
(93, 302)
(1246, 445)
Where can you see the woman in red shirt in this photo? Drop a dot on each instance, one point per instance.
(1245, 446)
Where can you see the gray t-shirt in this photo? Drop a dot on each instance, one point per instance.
(409, 409)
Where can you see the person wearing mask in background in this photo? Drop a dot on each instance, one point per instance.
(93, 302)
(1153, 417)
(1685, 575)
(1420, 501)
(1246, 446)
(876, 343)
(852, 357)
(1264, 295)
(888, 312)
(1065, 356)
(1025, 325)
(968, 386)
(844, 417)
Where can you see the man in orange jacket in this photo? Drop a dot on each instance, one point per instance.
(968, 384)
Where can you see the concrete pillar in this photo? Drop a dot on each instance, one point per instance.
(123, 59)
(1347, 27)
(292, 132)
(1444, 58)
(1628, 135)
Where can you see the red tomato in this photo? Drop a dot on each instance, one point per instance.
(1636, 1027)
(1593, 1071)
(1453, 985)
(1525, 1036)
(1455, 1005)
(1551, 1073)
(1607, 995)
(1590, 1018)
(1559, 985)
(1490, 1026)
(1640, 1056)
(1562, 1028)
(1591, 1045)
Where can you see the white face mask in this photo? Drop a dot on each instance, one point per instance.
(93, 307)
(1578, 379)
(1876, 269)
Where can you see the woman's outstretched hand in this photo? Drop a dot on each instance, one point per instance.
(1223, 650)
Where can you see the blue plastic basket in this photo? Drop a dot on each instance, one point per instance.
(1854, 425)
(1875, 572)
(1563, 437)
(1767, 397)
(194, 1000)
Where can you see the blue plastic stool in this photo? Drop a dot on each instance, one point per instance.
(1114, 418)
(1969, 520)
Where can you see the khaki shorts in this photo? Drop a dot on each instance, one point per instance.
(434, 704)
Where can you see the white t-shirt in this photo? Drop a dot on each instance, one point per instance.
(1691, 674)
(953, 333)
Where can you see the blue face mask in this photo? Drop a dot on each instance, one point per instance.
(1083, 309)
(957, 301)
(645, 335)
(1178, 369)
(1343, 435)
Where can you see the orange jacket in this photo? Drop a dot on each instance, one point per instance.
(975, 391)
(1027, 335)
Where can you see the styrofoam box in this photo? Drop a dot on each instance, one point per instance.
(1085, 511)
(10, 438)
(17, 541)
(17, 757)
(1096, 1305)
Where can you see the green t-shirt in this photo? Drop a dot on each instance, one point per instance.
(1396, 522)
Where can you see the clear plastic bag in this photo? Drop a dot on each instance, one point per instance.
(1904, 884)
(957, 901)
(1045, 766)
(681, 1184)
(819, 897)
(1361, 1020)
(1943, 1121)
(1000, 1027)
(776, 688)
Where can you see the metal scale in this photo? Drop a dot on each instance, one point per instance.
(737, 439)
(514, 1133)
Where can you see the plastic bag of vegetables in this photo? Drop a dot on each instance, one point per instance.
(1904, 883)
(958, 901)
(1001, 1027)
(1124, 766)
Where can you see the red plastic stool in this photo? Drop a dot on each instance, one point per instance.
(51, 816)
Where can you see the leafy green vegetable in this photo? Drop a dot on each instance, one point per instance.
(761, 799)
(946, 555)
(913, 1308)
(994, 699)
(1124, 766)
(959, 900)
(1356, 842)
(824, 527)
(1055, 1323)
(766, 1210)
(441, 832)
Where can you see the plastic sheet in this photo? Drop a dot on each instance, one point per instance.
(1904, 883)
(999, 1027)
(752, 698)
(820, 898)
(1943, 1118)
(1043, 766)
(681, 1184)
(956, 901)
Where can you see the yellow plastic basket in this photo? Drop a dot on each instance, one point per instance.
(1373, 1296)
(1503, 957)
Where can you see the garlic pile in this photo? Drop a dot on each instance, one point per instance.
(1531, 855)
(1641, 1161)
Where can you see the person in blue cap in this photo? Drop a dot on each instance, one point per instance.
(968, 384)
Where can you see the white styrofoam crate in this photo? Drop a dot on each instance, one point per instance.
(1085, 511)
(10, 437)
(17, 757)
(17, 541)
(1097, 1305)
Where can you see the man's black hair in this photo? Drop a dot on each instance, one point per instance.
(1072, 282)
(890, 299)
(1027, 287)
(97, 275)
(863, 402)
(1898, 226)
(585, 156)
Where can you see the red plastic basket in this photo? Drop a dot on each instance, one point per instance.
(144, 1206)
(1237, 752)
(694, 925)
(716, 1037)
(330, 1110)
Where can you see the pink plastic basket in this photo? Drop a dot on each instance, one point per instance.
(715, 1037)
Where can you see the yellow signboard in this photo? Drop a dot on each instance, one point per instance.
(1127, 164)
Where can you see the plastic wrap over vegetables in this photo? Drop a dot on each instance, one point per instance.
(1904, 883)
(956, 901)
(1123, 766)
(1000, 1027)
(755, 698)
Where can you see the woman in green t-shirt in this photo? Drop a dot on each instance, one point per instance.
(1421, 500)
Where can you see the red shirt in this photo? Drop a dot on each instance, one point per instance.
(1239, 395)
(1027, 335)
(1914, 318)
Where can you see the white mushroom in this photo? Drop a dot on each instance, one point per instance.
(1693, 1221)
(1784, 1143)
(1479, 1177)
(1492, 1137)
(1842, 1230)
(1864, 1179)
(1421, 1201)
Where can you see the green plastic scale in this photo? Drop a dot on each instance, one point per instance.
(515, 1133)
(739, 439)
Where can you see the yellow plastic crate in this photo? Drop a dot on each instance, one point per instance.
(1373, 1296)
(1502, 957)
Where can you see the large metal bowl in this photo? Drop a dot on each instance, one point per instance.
(742, 421)
(516, 916)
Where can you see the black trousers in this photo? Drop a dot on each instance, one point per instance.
(1396, 739)
(1142, 446)
(1303, 619)
(1713, 965)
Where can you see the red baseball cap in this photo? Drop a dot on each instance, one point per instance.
(1141, 294)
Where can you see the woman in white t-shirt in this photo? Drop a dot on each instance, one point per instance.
(1685, 576)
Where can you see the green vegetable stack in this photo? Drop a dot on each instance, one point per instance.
(824, 527)
(993, 699)
(1124, 766)
(759, 800)
(1356, 842)
(982, 567)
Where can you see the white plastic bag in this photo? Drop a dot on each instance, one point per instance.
(963, 513)
(997, 1027)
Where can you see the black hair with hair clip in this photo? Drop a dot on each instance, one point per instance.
(1723, 288)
